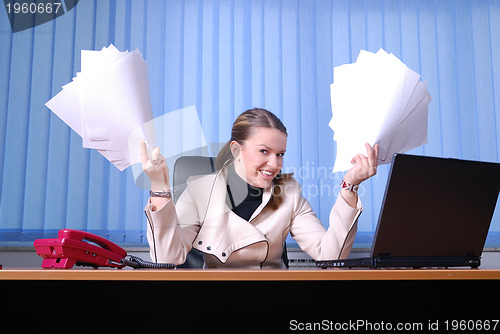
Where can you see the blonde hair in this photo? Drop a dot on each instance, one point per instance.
(241, 131)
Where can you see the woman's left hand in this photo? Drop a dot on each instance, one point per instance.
(365, 166)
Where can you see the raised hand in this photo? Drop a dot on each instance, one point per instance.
(365, 166)
(156, 168)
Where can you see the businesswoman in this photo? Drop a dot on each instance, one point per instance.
(241, 215)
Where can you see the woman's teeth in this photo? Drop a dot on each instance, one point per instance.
(266, 172)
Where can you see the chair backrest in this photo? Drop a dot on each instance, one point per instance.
(187, 166)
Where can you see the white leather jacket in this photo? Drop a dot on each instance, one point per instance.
(202, 220)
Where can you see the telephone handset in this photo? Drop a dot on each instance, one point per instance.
(71, 247)
(74, 247)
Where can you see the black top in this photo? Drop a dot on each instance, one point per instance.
(242, 198)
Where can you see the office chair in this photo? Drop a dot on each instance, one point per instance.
(185, 167)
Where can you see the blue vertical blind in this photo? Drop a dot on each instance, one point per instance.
(224, 57)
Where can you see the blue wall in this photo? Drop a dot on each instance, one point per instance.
(225, 57)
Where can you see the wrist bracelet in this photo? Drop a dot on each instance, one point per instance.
(351, 187)
(165, 194)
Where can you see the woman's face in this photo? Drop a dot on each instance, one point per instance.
(260, 157)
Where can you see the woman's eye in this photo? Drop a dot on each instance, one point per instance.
(263, 151)
(280, 155)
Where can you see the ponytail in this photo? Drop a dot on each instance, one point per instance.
(224, 156)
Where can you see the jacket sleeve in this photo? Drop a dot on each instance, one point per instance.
(169, 240)
(315, 240)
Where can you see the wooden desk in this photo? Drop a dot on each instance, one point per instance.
(103, 274)
(247, 299)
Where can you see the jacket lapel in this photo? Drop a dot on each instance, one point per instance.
(223, 231)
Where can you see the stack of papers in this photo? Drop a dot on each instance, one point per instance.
(108, 101)
(377, 100)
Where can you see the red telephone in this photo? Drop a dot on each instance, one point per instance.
(70, 249)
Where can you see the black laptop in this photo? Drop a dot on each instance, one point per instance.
(436, 213)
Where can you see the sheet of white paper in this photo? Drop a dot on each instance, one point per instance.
(118, 101)
(99, 60)
(107, 101)
(377, 100)
(67, 106)
(376, 111)
(411, 132)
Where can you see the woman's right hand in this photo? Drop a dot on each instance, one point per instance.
(156, 169)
